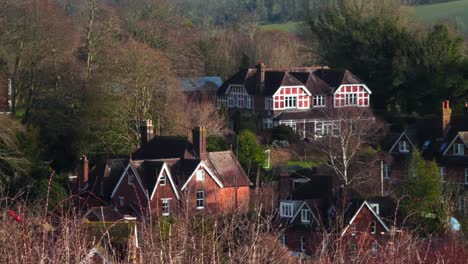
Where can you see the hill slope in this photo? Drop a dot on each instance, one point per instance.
(455, 12)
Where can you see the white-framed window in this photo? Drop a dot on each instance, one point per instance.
(286, 209)
(386, 171)
(303, 244)
(121, 201)
(466, 175)
(200, 199)
(375, 207)
(284, 239)
(373, 227)
(459, 149)
(166, 207)
(326, 128)
(305, 215)
(353, 229)
(268, 103)
(290, 102)
(442, 173)
(130, 179)
(249, 102)
(267, 123)
(200, 175)
(351, 99)
(374, 248)
(403, 146)
(319, 101)
(162, 180)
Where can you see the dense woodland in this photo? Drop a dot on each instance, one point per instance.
(86, 72)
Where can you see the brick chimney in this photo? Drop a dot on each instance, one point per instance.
(446, 116)
(146, 132)
(199, 142)
(260, 77)
(83, 178)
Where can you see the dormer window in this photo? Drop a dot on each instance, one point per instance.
(200, 175)
(403, 146)
(319, 101)
(286, 209)
(458, 149)
(305, 215)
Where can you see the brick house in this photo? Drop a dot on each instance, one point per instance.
(167, 175)
(297, 97)
(443, 139)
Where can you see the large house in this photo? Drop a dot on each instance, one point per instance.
(167, 175)
(297, 97)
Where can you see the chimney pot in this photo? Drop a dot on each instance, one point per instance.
(446, 116)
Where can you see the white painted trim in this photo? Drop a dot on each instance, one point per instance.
(451, 143)
(203, 165)
(363, 85)
(398, 140)
(299, 210)
(168, 176)
(240, 85)
(365, 203)
(292, 86)
(123, 176)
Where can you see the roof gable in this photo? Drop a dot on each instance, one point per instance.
(374, 214)
(171, 181)
(298, 211)
(124, 175)
(403, 136)
(463, 136)
(210, 173)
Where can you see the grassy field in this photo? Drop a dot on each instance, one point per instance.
(456, 12)
(291, 27)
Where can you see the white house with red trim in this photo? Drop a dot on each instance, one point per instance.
(297, 97)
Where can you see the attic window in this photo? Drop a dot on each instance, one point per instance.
(403, 146)
(200, 175)
(305, 215)
(162, 180)
(286, 210)
(458, 149)
(130, 179)
(373, 227)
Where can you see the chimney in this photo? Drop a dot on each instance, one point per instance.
(446, 116)
(147, 132)
(85, 171)
(199, 142)
(260, 77)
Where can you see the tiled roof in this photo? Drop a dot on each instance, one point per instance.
(464, 136)
(103, 214)
(148, 171)
(163, 147)
(227, 168)
(319, 80)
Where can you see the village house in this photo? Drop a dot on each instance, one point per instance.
(168, 175)
(444, 139)
(310, 210)
(298, 97)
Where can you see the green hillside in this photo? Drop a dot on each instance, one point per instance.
(455, 12)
